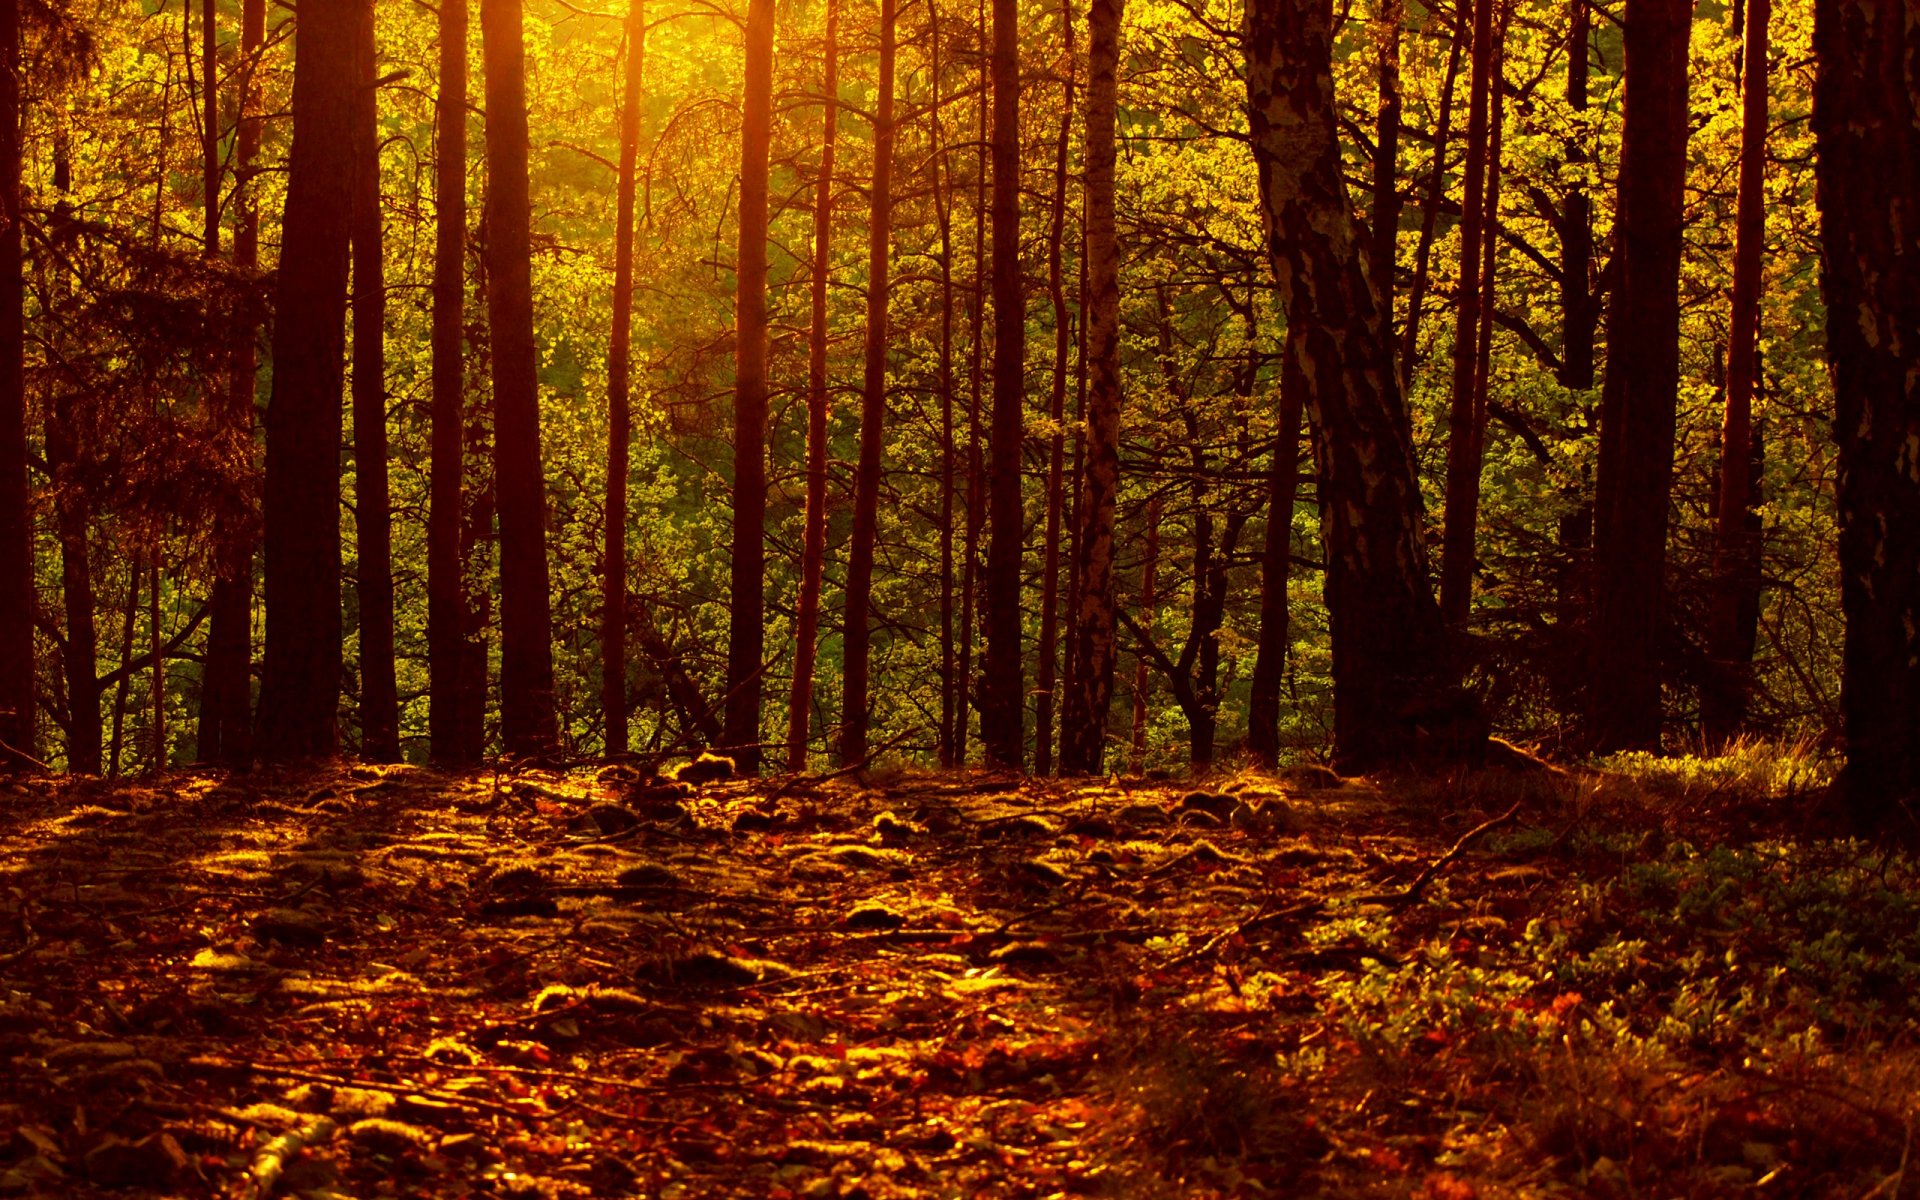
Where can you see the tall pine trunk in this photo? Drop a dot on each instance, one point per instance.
(1736, 538)
(1866, 120)
(951, 701)
(1057, 416)
(813, 553)
(1002, 691)
(226, 720)
(1084, 727)
(16, 528)
(1385, 214)
(373, 517)
(1463, 459)
(300, 669)
(1577, 309)
(746, 635)
(1395, 691)
(857, 643)
(452, 688)
(613, 566)
(1640, 392)
(1276, 567)
(527, 723)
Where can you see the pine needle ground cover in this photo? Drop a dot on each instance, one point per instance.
(399, 983)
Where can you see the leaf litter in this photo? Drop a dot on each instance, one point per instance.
(376, 982)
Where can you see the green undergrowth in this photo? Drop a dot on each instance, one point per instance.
(1622, 997)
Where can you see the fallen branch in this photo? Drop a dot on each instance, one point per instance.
(1413, 890)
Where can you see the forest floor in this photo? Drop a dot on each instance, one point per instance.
(392, 982)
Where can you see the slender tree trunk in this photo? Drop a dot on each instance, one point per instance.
(1396, 695)
(209, 132)
(1276, 566)
(1057, 415)
(373, 517)
(613, 569)
(448, 679)
(1430, 217)
(157, 673)
(134, 570)
(300, 677)
(976, 471)
(1640, 392)
(1083, 732)
(813, 555)
(527, 721)
(1142, 677)
(1385, 215)
(857, 643)
(1463, 464)
(16, 527)
(1577, 310)
(952, 702)
(746, 637)
(1866, 118)
(1724, 701)
(1002, 692)
(226, 721)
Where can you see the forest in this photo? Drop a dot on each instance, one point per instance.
(959, 597)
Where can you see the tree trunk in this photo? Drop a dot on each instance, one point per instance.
(300, 671)
(1385, 215)
(1430, 218)
(16, 525)
(613, 569)
(1724, 701)
(857, 643)
(373, 518)
(527, 722)
(1083, 732)
(1463, 462)
(1276, 567)
(746, 636)
(1142, 678)
(1002, 691)
(1866, 118)
(952, 702)
(813, 555)
(1057, 417)
(1396, 695)
(1640, 392)
(157, 677)
(447, 654)
(976, 469)
(226, 684)
(1577, 310)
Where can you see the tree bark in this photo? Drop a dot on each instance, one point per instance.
(1396, 696)
(1142, 678)
(300, 670)
(952, 701)
(1083, 732)
(16, 527)
(1430, 218)
(1057, 417)
(1639, 394)
(613, 568)
(976, 467)
(1463, 461)
(813, 554)
(527, 722)
(1002, 691)
(449, 681)
(1577, 310)
(1385, 214)
(373, 518)
(1866, 120)
(226, 719)
(1736, 541)
(857, 644)
(746, 636)
(1276, 568)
